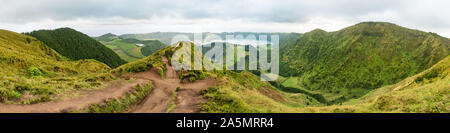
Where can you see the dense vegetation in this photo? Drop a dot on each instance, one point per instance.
(32, 72)
(76, 45)
(355, 60)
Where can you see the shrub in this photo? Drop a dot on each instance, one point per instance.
(6, 95)
(34, 72)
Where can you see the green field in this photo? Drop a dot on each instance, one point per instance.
(125, 56)
(127, 48)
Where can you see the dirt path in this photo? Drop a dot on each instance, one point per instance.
(163, 89)
(187, 101)
(114, 90)
(170, 72)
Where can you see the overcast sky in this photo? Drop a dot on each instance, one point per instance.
(96, 17)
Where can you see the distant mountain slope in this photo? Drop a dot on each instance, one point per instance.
(131, 49)
(32, 72)
(76, 45)
(106, 37)
(166, 37)
(149, 46)
(357, 59)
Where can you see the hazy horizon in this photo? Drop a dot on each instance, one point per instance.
(99, 17)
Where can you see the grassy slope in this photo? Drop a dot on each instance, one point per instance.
(360, 58)
(244, 93)
(129, 48)
(32, 72)
(106, 37)
(76, 45)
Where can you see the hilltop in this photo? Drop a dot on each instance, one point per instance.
(76, 45)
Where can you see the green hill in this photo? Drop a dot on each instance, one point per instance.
(32, 72)
(76, 45)
(353, 61)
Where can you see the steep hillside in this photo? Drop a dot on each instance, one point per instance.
(76, 45)
(32, 72)
(353, 61)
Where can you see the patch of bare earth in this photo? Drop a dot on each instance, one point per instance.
(187, 101)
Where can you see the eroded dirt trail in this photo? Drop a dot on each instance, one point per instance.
(114, 90)
(188, 96)
(188, 101)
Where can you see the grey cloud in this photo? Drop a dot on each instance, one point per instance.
(432, 14)
(258, 10)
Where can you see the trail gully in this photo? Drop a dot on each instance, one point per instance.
(188, 96)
